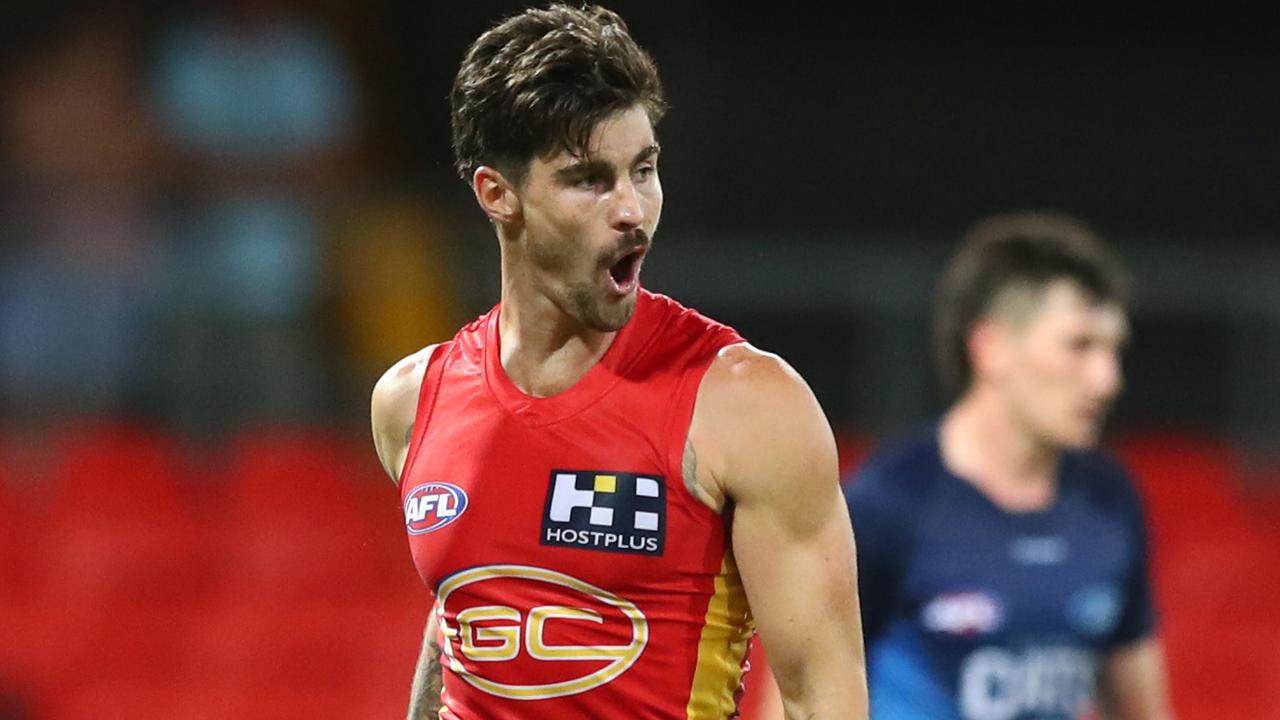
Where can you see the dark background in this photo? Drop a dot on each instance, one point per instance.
(834, 135)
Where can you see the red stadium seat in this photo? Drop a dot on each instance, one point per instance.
(1218, 577)
(35, 642)
(354, 653)
(134, 699)
(300, 520)
(122, 530)
(1230, 671)
(25, 505)
(1187, 481)
(28, 502)
(53, 646)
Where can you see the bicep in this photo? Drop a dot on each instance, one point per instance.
(791, 535)
(795, 552)
(800, 579)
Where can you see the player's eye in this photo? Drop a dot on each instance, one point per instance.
(645, 172)
(1081, 344)
(594, 181)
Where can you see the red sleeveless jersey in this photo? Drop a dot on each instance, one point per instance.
(575, 576)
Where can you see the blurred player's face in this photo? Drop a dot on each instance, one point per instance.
(1059, 368)
(589, 220)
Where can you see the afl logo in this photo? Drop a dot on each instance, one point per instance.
(963, 613)
(433, 505)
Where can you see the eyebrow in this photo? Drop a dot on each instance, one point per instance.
(647, 153)
(588, 166)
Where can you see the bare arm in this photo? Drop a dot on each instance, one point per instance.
(428, 681)
(393, 407)
(1135, 684)
(766, 445)
(392, 410)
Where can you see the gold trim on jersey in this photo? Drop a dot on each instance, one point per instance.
(722, 646)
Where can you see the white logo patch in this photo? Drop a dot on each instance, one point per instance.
(963, 613)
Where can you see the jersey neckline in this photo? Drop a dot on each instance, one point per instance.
(588, 389)
(1016, 516)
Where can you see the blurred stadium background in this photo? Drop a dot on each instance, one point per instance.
(219, 221)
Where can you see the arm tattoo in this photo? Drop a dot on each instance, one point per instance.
(428, 679)
(689, 468)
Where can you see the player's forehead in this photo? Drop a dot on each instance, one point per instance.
(1062, 306)
(616, 140)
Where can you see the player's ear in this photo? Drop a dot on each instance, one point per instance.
(986, 345)
(496, 194)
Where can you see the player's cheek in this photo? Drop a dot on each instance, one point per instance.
(652, 198)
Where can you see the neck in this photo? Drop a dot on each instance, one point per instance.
(983, 442)
(544, 351)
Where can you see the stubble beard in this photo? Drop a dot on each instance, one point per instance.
(584, 304)
(583, 300)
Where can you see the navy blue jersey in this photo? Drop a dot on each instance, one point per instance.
(972, 612)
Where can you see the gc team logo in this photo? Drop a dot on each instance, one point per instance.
(433, 505)
(573, 638)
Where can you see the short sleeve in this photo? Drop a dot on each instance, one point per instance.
(882, 539)
(1138, 614)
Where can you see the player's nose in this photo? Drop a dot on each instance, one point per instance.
(627, 212)
(1108, 375)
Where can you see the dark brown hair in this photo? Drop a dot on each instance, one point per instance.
(540, 81)
(1029, 249)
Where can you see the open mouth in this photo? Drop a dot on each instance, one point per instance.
(625, 273)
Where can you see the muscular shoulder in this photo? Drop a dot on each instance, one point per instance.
(397, 390)
(757, 419)
(748, 385)
(393, 407)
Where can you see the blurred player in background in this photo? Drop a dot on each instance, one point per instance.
(606, 491)
(1002, 559)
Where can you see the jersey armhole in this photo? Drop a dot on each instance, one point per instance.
(680, 419)
(427, 394)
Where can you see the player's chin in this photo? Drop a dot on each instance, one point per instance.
(621, 311)
(1080, 436)
(612, 312)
